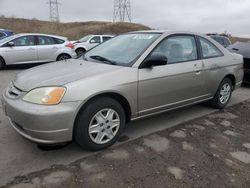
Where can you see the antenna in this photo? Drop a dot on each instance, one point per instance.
(54, 11)
(122, 10)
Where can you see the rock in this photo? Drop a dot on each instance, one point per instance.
(157, 143)
(24, 185)
(98, 177)
(230, 133)
(187, 146)
(225, 115)
(139, 149)
(247, 145)
(208, 123)
(57, 177)
(197, 127)
(176, 172)
(88, 167)
(226, 123)
(178, 134)
(212, 145)
(117, 154)
(241, 156)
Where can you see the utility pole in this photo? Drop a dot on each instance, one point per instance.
(122, 10)
(54, 11)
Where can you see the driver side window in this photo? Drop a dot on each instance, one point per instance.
(24, 41)
(178, 48)
(95, 40)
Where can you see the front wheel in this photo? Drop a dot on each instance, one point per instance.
(99, 124)
(223, 94)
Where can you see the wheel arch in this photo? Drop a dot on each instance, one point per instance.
(116, 96)
(80, 47)
(2, 59)
(63, 53)
(4, 62)
(232, 78)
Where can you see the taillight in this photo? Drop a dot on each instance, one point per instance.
(70, 45)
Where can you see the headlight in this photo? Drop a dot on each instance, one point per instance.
(45, 95)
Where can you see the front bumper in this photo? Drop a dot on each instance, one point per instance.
(41, 124)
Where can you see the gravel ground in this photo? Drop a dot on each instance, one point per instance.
(211, 151)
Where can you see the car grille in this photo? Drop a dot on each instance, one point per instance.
(246, 63)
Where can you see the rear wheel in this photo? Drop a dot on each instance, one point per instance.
(80, 51)
(63, 57)
(2, 63)
(99, 124)
(223, 94)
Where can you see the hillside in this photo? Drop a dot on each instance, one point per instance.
(74, 30)
(71, 30)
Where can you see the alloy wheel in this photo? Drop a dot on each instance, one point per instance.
(225, 93)
(104, 126)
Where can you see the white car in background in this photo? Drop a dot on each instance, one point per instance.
(90, 41)
(34, 48)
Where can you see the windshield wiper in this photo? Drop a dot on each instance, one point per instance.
(103, 59)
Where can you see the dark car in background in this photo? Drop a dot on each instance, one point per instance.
(5, 33)
(243, 48)
(221, 39)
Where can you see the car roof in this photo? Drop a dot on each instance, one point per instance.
(169, 32)
(41, 34)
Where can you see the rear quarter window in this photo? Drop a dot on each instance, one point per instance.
(59, 41)
(209, 50)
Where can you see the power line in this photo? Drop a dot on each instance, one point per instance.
(122, 10)
(54, 10)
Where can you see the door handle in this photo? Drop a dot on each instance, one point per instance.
(31, 48)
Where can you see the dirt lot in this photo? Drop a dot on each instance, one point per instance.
(211, 151)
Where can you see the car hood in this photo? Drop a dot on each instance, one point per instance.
(60, 73)
(242, 48)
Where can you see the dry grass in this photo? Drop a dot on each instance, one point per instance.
(237, 39)
(71, 30)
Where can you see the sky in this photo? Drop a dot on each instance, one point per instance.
(191, 15)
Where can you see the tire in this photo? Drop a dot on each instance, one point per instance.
(63, 57)
(218, 102)
(2, 63)
(80, 51)
(102, 135)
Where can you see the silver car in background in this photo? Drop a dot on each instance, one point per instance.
(34, 48)
(90, 41)
(131, 76)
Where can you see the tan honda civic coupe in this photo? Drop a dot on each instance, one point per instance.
(133, 75)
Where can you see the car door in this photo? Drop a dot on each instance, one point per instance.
(47, 48)
(23, 50)
(178, 83)
(213, 60)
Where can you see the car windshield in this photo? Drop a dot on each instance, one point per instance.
(86, 38)
(122, 50)
(7, 39)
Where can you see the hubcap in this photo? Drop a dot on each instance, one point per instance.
(225, 93)
(64, 57)
(104, 126)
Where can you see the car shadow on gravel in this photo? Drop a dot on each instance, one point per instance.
(23, 66)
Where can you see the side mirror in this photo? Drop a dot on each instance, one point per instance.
(11, 44)
(155, 59)
(93, 41)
